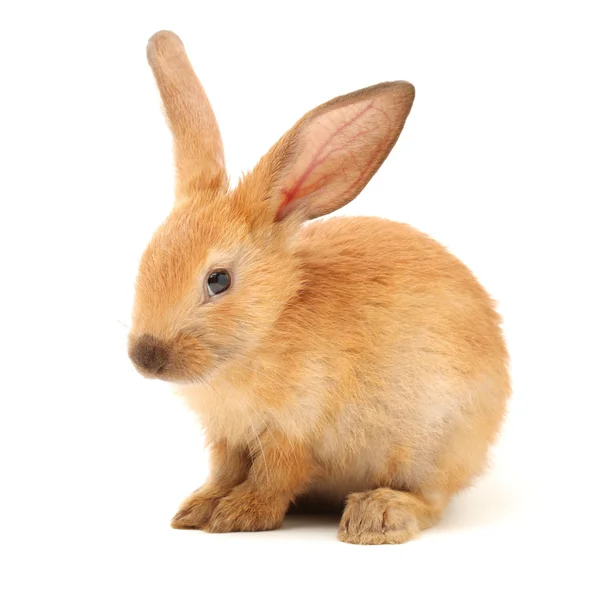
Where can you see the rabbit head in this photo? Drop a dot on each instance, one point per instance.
(221, 268)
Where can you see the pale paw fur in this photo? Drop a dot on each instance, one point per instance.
(377, 517)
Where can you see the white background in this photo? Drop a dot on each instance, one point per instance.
(498, 160)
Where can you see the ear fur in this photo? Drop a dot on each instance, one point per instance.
(197, 144)
(328, 157)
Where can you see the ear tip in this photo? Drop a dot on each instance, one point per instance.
(406, 88)
(162, 40)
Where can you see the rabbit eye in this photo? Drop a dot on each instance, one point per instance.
(218, 282)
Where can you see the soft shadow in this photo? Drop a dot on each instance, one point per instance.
(308, 521)
(304, 515)
(486, 504)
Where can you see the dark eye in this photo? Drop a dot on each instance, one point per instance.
(218, 282)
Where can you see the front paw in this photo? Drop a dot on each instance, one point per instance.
(197, 509)
(246, 511)
(378, 516)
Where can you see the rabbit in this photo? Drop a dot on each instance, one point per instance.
(347, 362)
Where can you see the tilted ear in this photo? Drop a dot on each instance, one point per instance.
(197, 143)
(329, 156)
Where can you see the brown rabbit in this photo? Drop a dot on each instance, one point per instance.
(350, 360)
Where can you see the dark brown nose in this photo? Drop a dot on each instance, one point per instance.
(149, 354)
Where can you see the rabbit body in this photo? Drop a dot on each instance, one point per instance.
(344, 362)
(394, 372)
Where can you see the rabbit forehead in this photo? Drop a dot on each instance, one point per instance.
(191, 234)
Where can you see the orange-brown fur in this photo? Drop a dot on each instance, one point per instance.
(353, 360)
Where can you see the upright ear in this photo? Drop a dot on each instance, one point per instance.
(198, 147)
(329, 156)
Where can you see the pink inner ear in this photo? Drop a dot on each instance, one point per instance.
(339, 150)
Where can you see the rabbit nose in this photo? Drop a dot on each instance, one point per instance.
(149, 354)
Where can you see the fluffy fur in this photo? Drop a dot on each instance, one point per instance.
(353, 362)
